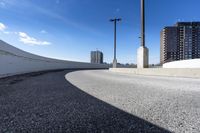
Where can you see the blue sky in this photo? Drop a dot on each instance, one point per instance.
(70, 29)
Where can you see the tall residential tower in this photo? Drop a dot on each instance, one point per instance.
(180, 42)
(96, 57)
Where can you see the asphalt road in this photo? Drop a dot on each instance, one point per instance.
(168, 102)
(47, 103)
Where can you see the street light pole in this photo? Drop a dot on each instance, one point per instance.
(143, 51)
(115, 40)
(142, 23)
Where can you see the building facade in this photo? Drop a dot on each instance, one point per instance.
(96, 57)
(180, 42)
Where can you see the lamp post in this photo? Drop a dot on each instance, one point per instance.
(143, 52)
(115, 40)
(142, 23)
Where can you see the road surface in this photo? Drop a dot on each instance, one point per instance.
(171, 103)
(97, 102)
(48, 103)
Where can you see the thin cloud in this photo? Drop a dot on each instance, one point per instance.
(117, 10)
(57, 1)
(54, 15)
(26, 39)
(5, 4)
(7, 32)
(61, 18)
(23, 37)
(43, 32)
(2, 27)
(2, 4)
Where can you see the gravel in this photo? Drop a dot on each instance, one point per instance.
(46, 102)
(169, 102)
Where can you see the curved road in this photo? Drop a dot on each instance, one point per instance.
(98, 102)
(171, 103)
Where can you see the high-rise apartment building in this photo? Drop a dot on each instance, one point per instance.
(96, 57)
(180, 42)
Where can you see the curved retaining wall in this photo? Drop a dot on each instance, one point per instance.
(194, 63)
(15, 61)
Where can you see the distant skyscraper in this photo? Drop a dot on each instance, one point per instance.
(180, 42)
(96, 57)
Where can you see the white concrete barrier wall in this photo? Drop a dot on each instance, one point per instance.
(15, 61)
(194, 63)
(170, 72)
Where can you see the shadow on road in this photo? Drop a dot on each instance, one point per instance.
(48, 103)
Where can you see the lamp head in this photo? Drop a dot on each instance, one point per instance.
(119, 19)
(112, 20)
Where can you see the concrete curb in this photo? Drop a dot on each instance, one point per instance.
(171, 72)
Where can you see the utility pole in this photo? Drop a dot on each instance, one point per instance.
(115, 40)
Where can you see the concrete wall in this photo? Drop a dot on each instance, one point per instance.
(171, 72)
(15, 61)
(194, 63)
